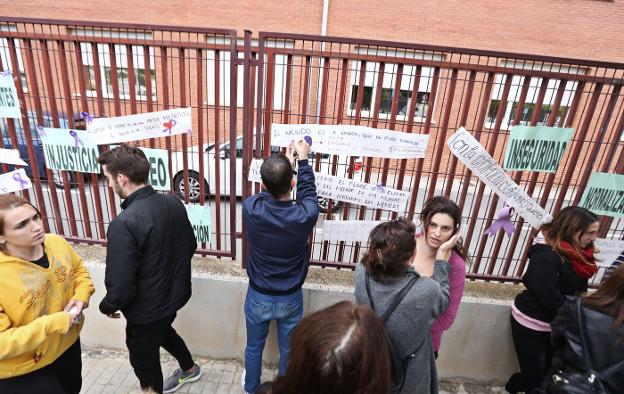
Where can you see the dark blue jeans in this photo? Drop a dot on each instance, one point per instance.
(260, 309)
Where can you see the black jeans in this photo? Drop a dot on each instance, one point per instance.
(534, 356)
(144, 342)
(63, 376)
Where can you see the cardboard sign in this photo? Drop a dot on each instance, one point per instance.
(199, 216)
(104, 131)
(9, 102)
(604, 194)
(608, 250)
(69, 150)
(11, 156)
(470, 152)
(353, 140)
(14, 181)
(536, 148)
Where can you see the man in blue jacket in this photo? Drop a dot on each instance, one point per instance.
(277, 229)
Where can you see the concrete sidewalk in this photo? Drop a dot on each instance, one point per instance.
(108, 371)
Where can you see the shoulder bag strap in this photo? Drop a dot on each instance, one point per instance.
(368, 291)
(397, 299)
(579, 311)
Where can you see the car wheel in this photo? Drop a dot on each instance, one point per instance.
(194, 186)
(59, 180)
(323, 204)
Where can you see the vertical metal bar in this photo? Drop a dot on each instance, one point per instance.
(287, 92)
(217, 144)
(131, 78)
(233, 122)
(149, 99)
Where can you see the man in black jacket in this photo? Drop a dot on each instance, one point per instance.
(148, 269)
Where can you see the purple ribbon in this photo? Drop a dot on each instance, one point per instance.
(169, 125)
(380, 187)
(503, 220)
(41, 130)
(77, 141)
(87, 117)
(17, 177)
(308, 139)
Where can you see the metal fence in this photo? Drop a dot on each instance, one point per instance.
(238, 87)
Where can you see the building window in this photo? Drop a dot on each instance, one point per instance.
(373, 72)
(121, 63)
(5, 56)
(530, 102)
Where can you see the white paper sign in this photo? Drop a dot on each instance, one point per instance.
(9, 102)
(470, 152)
(11, 156)
(348, 230)
(353, 140)
(14, 181)
(140, 126)
(254, 171)
(608, 250)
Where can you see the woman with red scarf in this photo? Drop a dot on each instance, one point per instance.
(558, 268)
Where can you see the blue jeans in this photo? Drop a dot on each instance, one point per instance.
(260, 309)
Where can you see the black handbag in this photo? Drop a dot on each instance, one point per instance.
(583, 380)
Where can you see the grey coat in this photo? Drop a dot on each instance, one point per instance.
(410, 324)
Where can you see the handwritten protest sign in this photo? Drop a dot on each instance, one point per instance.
(140, 126)
(348, 230)
(604, 194)
(353, 140)
(349, 190)
(536, 148)
(470, 152)
(14, 181)
(69, 150)
(9, 102)
(11, 156)
(608, 250)
(199, 216)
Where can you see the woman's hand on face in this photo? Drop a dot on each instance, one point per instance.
(444, 251)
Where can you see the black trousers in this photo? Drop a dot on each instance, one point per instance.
(63, 376)
(144, 342)
(534, 354)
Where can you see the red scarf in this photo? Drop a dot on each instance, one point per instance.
(582, 269)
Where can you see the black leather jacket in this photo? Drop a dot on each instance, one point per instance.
(606, 345)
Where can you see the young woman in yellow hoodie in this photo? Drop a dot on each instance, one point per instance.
(44, 287)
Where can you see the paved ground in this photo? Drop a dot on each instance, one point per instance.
(108, 371)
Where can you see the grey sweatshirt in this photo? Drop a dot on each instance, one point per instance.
(410, 323)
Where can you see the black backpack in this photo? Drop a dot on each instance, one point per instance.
(398, 364)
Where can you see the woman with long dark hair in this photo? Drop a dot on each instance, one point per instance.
(384, 273)
(44, 287)
(341, 349)
(440, 220)
(558, 268)
(603, 326)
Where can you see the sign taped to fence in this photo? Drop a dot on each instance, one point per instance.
(608, 250)
(11, 156)
(69, 150)
(349, 190)
(14, 181)
(199, 216)
(9, 102)
(604, 194)
(470, 152)
(159, 176)
(105, 131)
(353, 140)
(536, 148)
(348, 230)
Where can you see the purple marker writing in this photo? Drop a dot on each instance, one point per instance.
(77, 141)
(17, 177)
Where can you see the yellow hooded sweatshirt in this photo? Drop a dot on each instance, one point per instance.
(34, 329)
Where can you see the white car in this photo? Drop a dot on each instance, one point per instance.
(223, 155)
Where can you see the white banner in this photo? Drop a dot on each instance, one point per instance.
(14, 181)
(105, 131)
(353, 140)
(470, 152)
(348, 230)
(608, 250)
(11, 156)
(349, 190)
(9, 102)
